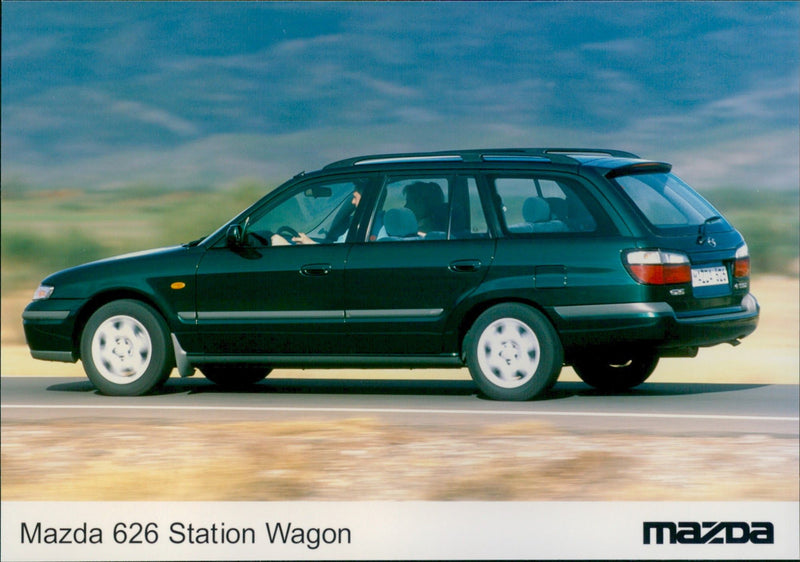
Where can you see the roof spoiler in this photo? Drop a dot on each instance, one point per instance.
(639, 168)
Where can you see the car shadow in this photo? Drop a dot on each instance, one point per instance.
(76, 386)
(405, 387)
(570, 389)
(329, 386)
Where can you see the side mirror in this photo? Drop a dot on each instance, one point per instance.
(234, 236)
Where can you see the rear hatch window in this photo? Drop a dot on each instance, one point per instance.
(669, 205)
(686, 222)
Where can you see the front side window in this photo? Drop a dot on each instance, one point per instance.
(428, 208)
(666, 201)
(537, 205)
(319, 213)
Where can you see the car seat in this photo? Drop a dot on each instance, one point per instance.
(399, 224)
(536, 212)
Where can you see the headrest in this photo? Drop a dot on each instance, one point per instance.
(535, 209)
(400, 223)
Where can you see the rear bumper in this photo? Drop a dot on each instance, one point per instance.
(713, 329)
(655, 324)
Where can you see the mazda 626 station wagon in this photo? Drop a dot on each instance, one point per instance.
(513, 262)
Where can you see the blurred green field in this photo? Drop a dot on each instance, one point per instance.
(769, 221)
(44, 231)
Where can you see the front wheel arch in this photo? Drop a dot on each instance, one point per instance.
(126, 348)
(101, 299)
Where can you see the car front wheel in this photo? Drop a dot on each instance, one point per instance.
(615, 374)
(513, 352)
(125, 349)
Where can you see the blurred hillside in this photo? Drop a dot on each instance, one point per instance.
(44, 231)
(770, 223)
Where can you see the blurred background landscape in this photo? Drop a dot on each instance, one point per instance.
(127, 126)
(44, 231)
(133, 125)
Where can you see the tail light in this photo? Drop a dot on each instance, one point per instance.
(741, 262)
(657, 267)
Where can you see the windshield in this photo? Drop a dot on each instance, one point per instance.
(666, 201)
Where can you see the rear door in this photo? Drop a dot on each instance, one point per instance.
(427, 247)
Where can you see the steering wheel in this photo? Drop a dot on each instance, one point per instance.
(288, 230)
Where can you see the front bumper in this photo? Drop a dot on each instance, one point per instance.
(49, 327)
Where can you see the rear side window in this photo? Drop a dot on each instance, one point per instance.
(428, 208)
(666, 201)
(541, 205)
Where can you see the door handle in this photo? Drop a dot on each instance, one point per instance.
(465, 266)
(316, 269)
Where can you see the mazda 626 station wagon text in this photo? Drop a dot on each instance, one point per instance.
(513, 262)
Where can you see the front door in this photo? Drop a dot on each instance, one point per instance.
(280, 290)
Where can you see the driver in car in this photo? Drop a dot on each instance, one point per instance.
(303, 238)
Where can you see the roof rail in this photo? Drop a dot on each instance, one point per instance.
(410, 158)
(562, 155)
(399, 158)
(514, 158)
(559, 155)
(590, 151)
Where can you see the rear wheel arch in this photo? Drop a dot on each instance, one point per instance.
(468, 319)
(618, 371)
(513, 352)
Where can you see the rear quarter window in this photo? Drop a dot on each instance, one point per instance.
(534, 205)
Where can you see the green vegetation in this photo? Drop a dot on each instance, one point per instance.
(769, 221)
(44, 231)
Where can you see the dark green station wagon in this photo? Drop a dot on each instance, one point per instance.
(513, 262)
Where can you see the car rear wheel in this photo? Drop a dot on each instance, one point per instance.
(620, 373)
(513, 352)
(235, 376)
(125, 349)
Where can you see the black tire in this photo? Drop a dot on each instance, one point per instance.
(125, 349)
(513, 352)
(235, 376)
(620, 373)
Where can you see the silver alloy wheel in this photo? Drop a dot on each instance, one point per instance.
(121, 349)
(508, 353)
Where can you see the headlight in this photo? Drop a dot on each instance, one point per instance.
(43, 292)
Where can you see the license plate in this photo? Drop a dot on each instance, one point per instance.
(709, 276)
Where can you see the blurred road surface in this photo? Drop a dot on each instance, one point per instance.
(656, 408)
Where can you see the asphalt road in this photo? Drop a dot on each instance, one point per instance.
(654, 408)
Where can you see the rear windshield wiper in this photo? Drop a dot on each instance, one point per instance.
(701, 231)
